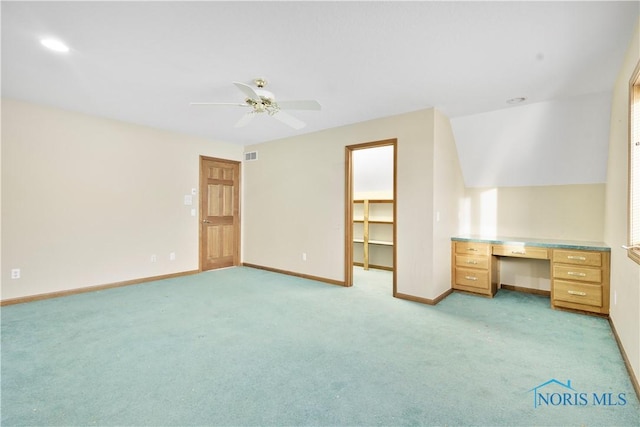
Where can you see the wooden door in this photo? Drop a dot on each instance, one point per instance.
(219, 213)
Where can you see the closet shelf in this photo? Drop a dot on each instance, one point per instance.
(373, 200)
(374, 242)
(374, 219)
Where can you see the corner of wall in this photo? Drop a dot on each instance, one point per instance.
(448, 193)
(625, 274)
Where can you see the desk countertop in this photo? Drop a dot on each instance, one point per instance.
(529, 241)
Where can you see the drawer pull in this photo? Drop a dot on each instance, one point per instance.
(519, 252)
(575, 273)
(472, 262)
(470, 278)
(576, 257)
(472, 250)
(582, 294)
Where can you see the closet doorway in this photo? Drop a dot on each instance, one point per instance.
(370, 214)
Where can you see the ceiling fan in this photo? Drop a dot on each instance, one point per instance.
(261, 100)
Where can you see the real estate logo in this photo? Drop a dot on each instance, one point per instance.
(557, 393)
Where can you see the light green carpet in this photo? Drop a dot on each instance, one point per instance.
(241, 346)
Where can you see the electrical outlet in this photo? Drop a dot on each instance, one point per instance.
(172, 256)
(15, 273)
(154, 258)
(304, 256)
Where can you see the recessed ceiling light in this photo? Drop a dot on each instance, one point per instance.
(55, 45)
(516, 100)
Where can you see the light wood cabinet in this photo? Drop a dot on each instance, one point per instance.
(579, 271)
(521, 251)
(580, 280)
(373, 231)
(473, 269)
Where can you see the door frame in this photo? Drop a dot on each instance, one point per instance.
(348, 240)
(237, 236)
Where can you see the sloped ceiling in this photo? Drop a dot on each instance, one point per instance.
(144, 62)
(557, 142)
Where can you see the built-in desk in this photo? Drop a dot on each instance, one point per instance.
(579, 271)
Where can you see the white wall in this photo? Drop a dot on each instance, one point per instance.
(295, 195)
(373, 173)
(547, 143)
(625, 274)
(86, 201)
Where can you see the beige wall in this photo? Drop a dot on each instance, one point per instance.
(625, 274)
(570, 212)
(447, 201)
(87, 201)
(294, 201)
(566, 212)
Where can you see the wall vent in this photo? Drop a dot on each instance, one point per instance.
(252, 155)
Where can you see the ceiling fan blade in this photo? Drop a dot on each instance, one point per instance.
(244, 120)
(308, 104)
(247, 90)
(289, 120)
(235, 104)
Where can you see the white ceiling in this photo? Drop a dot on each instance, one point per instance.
(144, 62)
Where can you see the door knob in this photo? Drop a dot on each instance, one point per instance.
(206, 221)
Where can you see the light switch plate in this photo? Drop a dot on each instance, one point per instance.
(188, 199)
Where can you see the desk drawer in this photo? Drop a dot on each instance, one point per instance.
(521, 251)
(473, 278)
(472, 261)
(592, 259)
(583, 274)
(577, 293)
(472, 248)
